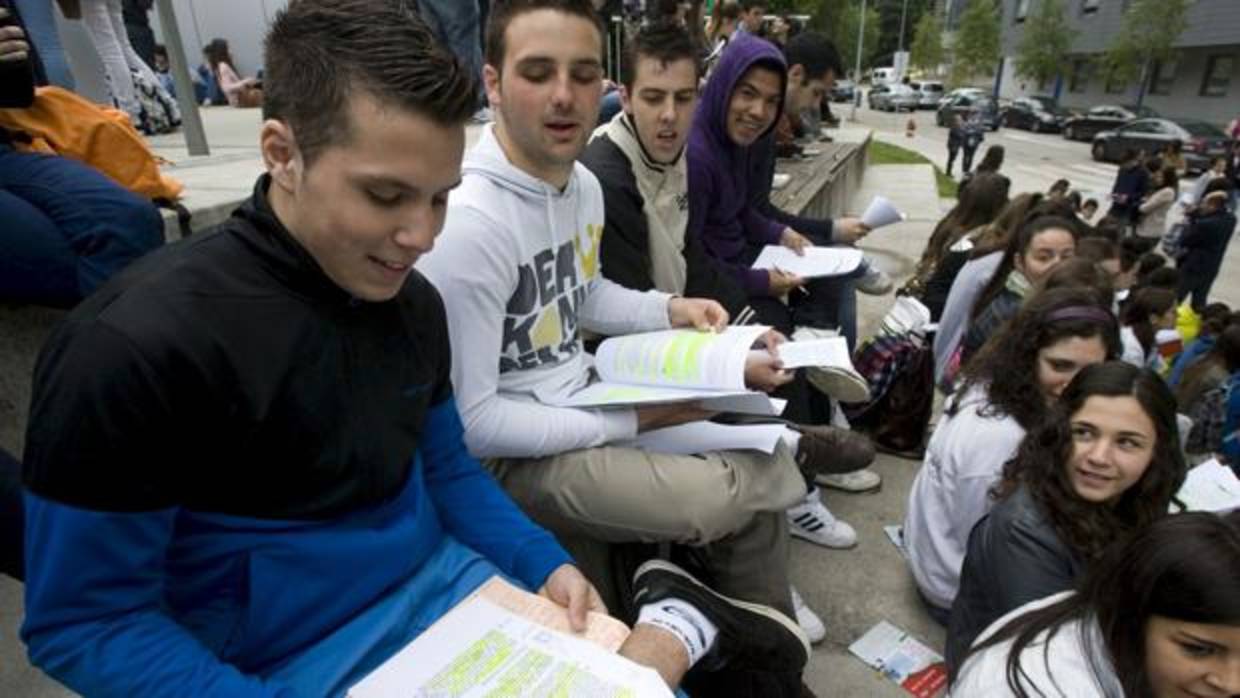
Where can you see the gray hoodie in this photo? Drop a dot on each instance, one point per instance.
(517, 265)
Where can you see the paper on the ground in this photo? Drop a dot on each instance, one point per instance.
(700, 437)
(679, 358)
(918, 669)
(817, 261)
(479, 649)
(895, 534)
(829, 351)
(601, 629)
(1211, 486)
(881, 212)
(780, 180)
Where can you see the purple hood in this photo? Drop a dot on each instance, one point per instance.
(720, 211)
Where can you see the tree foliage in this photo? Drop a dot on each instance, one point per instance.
(1151, 28)
(976, 49)
(926, 52)
(845, 34)
(1043, 51)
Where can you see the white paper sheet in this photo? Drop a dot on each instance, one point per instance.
(480, 649)
(700, 437)
(780, 180)
(830, 351)
(881, 212)
(1211, 486)
(816, 262)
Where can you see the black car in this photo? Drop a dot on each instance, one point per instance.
(1035, 114)
(968, 106)
(1201, 141)
(1103, 117)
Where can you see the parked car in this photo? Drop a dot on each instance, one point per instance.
(893, 98)
(1202, 141)
(929, 93)
(968, 106)
(843, 91)
(1104, 117)
(883, 76)
(960, 91)
(1035, 114)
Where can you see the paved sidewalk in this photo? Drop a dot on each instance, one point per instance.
(852, 589)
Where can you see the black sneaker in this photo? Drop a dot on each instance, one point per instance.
(751, 636)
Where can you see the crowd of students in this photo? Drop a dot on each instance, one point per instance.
(353, 383)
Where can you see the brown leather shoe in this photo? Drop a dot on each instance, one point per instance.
(828, 450)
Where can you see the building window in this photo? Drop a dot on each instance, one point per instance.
(1114, 85)
(1088, 7)
(1082, 70)
(1218, 75)
(1022, 10)
(1162, 78)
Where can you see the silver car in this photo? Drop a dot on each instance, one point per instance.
(894, 98)
(929, 92)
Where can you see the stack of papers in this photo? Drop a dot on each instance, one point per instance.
(881, 212)
(816, 262)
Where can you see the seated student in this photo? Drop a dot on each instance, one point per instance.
(639, 160)
(67, 227)
(1006, 390)
(813, 65)
(1147, 312)
(518, 268)
(266, 492)
(1042, 244)
(1211, 370)
(1105, 462)
(1150, 619)
(1209, 229)
(1214, 319)
(240, 92)
(740, 105)
(971, 280)
(954, 238)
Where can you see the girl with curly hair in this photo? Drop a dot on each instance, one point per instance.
(1155, 617)
(1006, 392)
(1104, 463)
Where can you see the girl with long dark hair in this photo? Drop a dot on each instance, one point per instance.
(1104, 463)
(1006, 392)
(1040, 246)
(1158, 616)
(1147, 312)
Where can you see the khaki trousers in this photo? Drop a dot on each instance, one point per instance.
(728, 506)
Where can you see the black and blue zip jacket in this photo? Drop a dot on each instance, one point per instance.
(229, 457)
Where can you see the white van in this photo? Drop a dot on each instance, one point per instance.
(883, 76)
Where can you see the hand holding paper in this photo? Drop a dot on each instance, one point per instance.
(815, 262)
(881, 212)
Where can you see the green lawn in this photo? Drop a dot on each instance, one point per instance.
(881, 153)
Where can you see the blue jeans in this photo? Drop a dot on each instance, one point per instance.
(41, 28)
(67, 228)
(456, 23)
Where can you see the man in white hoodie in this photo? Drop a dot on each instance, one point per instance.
(518, 269)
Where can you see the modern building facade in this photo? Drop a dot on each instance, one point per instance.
(1202, 81)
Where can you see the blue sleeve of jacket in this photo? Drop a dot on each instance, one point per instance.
(94, 581)
(474, 509)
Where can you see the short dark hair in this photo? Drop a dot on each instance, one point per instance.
(747, 5)
(815, 53)
(320, 52)
(502, 14)
(666, 42)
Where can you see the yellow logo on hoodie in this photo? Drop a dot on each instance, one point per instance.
(589, 256)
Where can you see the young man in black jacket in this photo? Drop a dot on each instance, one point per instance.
(639, 159)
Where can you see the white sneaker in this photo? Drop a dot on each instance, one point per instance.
(875, 282)
(842, 383)
(812, 521)
(807, 619)
(862, 480)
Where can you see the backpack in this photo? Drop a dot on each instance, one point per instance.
(1171, 241)
(897, 415)
(62, 123)
(160, 113)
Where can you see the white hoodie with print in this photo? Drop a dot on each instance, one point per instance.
(518, 268)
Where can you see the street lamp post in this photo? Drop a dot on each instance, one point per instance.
(903, 14)
(857, 72)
